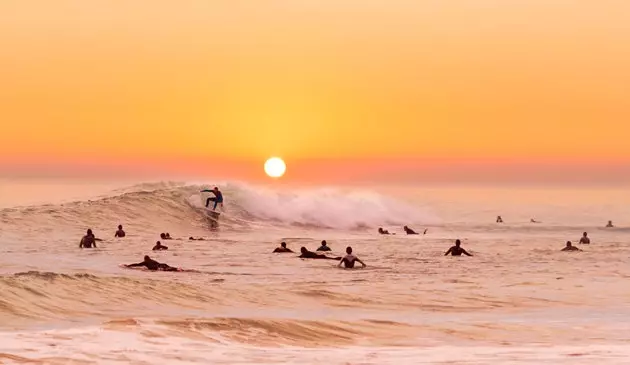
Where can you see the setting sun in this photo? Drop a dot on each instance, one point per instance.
(275, 167)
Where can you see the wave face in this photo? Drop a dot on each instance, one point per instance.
(157, 204)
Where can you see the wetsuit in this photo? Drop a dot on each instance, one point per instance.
(313, 255)
(281, 250)
(88, 242)
(349, 261)
(154, 265)
(159, 248)
(324, 248)
(410, 231)
(457, 251)
(217, 199)
(120, 233)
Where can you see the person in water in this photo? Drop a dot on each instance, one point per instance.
(324, 247)
(120, 233)
(350, 259)
(196, 239)
(585, 240)
(283, 248)
(409, 230)
(88, 241)
(159, 246)
(153, 265)
(610, 225)
(457, 250)
(306, 254)
(382, 231)
(217, 198)
(570, 247)
(499, 219)
(165, 236)
(533, 221)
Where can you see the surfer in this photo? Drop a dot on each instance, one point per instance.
(499, 219)
(570, 247)
(217, 199)
(165, 236)
(306, 254)
(610, 225)
(283, 248)
(324, 247)
(88, 241)
(159, 246)
(350, 259)
(533, 221)
(153, 265)
(409, 230)
(196, 239)
(120, 233)
(585, 240)
(382, 231)
(457, 250)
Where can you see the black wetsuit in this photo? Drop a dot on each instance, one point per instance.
(154, 265)
(313, 255)
(159, 248)
(410, 231)
(457, 251)
(281, 250)
(88, 242)
(324, 248)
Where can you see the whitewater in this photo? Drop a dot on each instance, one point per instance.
(518, 300)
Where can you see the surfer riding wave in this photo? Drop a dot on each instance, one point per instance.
(217, 198)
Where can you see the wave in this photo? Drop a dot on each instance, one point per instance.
(246, 206)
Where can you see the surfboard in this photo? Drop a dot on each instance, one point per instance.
(143, 268)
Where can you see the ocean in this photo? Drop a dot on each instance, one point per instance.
(517, 300)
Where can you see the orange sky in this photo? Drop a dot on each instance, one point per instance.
(186, 85)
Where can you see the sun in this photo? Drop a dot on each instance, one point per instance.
(275, 167)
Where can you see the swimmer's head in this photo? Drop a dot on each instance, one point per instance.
(303, 249)
(162, 235)
(585, 234)
(120, 226)
(380, 229)
(458, 242)
(405, 228)
(324, 243)
(146, 258)
(568, 243)
(283, 244)
(158, 243)
(89, 231)
(216, 188)
(348, 250)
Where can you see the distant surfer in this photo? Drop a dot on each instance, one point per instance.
(153, 265)
(610, 225)
(217, 198)
(283, 248)
(533, 221)
(585, 240)
(570, 247)
(159, 246)
(383, 231)
(350, 259)
(196, 239)
(499, 219)
(409, 230)
(457, 250)
(306, 254)
(89, 240)
(120, 233)
(165, 236)
(324, 247)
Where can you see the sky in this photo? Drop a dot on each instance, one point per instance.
(453, 91)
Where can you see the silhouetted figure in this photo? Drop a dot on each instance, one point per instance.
(153, 265)
(165, 236)
(609, 225)
(570, 247)
(349, 260)
(585, 240)
(324, 247)
(306, 254)
(159, 246)
(457, 250)
(120, 233)
(409, 230)
(283, 248)
(383, 231)
(88, 241)
(499, 219)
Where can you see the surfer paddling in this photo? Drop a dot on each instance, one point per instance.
(349, 260)
(217, 198)
(570, 247)
(153, 265)
(283, 248)
(159, 246)
(306, 254)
